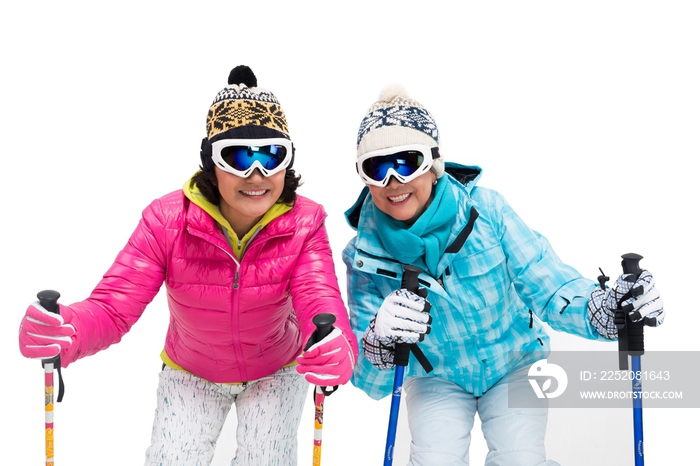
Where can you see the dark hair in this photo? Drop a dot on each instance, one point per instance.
(206, 182)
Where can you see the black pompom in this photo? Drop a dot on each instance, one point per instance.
(242, 75)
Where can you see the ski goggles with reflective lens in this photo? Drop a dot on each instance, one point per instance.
(405, 163)
(241, 156)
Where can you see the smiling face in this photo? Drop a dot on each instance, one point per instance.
(244, 201)
(405, 201)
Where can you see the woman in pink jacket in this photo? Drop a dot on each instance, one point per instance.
(247, 264)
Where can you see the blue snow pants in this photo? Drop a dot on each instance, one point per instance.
(441, 416)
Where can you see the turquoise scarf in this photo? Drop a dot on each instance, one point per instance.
(423, 243)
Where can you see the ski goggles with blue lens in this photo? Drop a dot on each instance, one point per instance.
(241, 156)
(405, 163)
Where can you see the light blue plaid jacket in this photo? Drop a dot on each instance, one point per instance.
(497, 280)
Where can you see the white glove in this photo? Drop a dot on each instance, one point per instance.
(647, 305)
(402, 318)
(640, 299)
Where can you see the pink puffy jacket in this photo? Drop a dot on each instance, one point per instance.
(229, 321)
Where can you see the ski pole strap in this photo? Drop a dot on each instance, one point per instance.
(329, 391)
(402, 351)
(418, 353)
(57, 365)
(61, 388)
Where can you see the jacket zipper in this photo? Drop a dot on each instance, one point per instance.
(234, 301)
(234, 314)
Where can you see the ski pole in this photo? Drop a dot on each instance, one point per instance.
(324, 325)
(49, 300)
(409, 281)
(631, 342)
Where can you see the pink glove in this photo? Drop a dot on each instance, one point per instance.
(43, 334)
(328, 362)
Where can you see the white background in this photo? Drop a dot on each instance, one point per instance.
(583, 114)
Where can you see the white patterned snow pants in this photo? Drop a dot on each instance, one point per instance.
(191, 413)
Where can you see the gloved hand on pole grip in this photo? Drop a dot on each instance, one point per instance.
(43, 334)
(403, 317)
(640, 299)
(328, 362)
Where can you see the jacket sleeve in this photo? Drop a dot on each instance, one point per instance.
(364, 300)
(125, 290)
(553, 290)
(314, 285)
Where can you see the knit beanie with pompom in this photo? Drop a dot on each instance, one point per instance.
(397, 120)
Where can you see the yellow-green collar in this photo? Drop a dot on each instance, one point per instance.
(238, 245)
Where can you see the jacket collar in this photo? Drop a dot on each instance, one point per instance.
(206, 218)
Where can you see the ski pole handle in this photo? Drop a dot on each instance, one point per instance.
(635, 330)
(49, 301)
(324, 325)
(630, 264)
(409, 281)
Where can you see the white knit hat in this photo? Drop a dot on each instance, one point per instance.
(397, 120)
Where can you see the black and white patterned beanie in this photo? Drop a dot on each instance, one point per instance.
(242, 110)
(397, 120)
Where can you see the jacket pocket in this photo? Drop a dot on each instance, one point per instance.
(481, 277)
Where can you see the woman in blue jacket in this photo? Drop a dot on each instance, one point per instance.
(490, 281)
